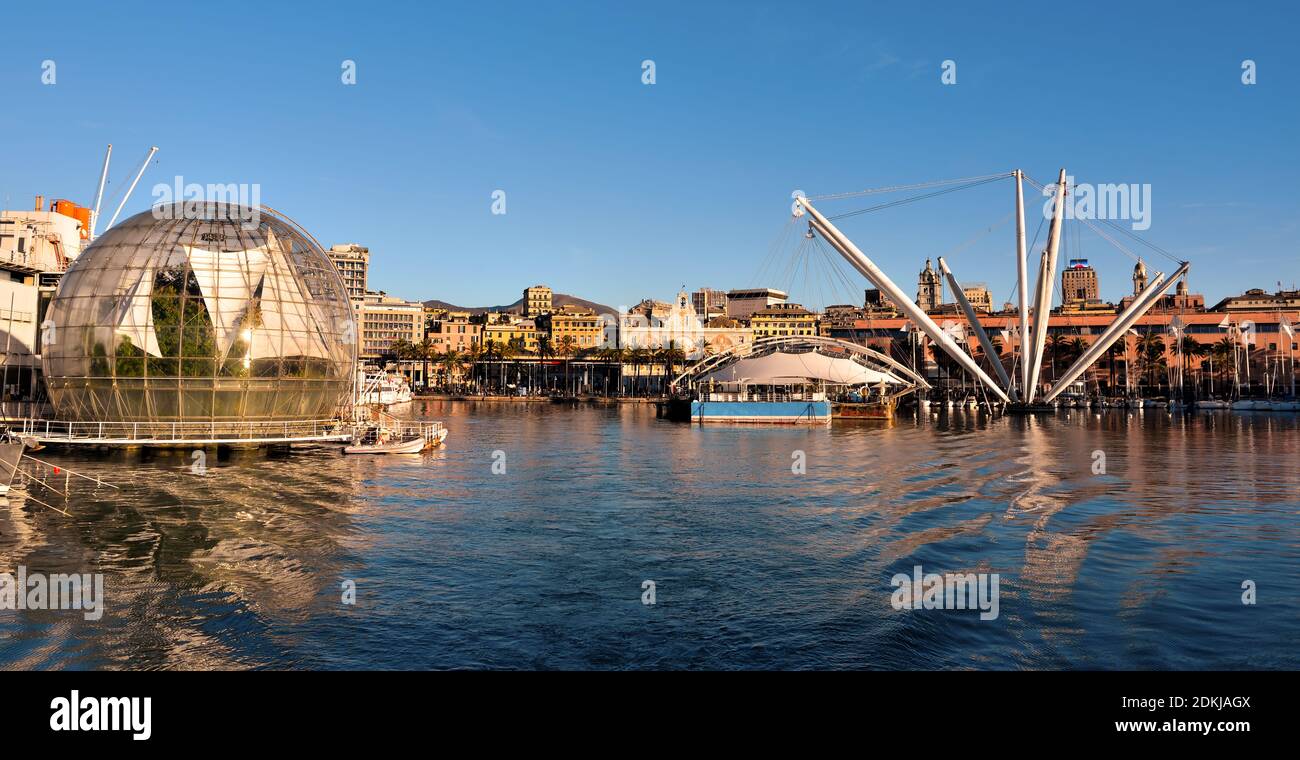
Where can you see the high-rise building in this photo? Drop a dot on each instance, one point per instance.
(741, 304)
(707, 302)
(929, 288)
(1079, 283)
(978, 295)
(353, 262)
(383, 320)
(537, 301)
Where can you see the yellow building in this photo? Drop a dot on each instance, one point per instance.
(524, 332)
(537, 301)
(582, 325)
(783, 319)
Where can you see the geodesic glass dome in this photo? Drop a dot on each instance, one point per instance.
(228, 314)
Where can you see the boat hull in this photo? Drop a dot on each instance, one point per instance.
(773, 412)
(858, 411)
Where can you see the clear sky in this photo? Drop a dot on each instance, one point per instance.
(617, 190)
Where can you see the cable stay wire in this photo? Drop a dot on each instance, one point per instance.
(900, 188)
(1118, 228)
(915, 198)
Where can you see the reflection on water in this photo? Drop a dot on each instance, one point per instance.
(755, 566)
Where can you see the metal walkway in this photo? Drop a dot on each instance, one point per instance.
(254, 432)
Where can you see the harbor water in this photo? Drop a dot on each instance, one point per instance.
(538, 535)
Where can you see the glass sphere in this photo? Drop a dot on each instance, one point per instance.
(200, 312)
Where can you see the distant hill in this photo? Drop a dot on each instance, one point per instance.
(557, 299)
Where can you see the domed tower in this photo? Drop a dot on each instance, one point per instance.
(929, 289)
(1139, 277)
(200, 315)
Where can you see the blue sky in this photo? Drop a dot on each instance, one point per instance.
(616, 190)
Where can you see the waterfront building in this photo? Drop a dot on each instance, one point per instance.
(1206, 329)
(929, 288)
(1258, 299)
(191, 317)
(680, 327)
(784, 319)
(353, 263)
(521, 333)
(741, 304)
(537, 301)
(583, 329)
(36, 247)
(384, 320)
(455, 331)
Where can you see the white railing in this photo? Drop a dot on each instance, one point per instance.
(246, 430)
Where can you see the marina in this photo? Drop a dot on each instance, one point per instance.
(757, 567)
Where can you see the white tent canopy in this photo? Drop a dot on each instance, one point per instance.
(780, 367)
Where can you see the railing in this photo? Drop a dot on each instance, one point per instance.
(760, 395)
(162, 432)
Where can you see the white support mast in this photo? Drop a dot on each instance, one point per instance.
(99, 194)
(979, 329)
(131, 189)
(1043, 293)
(878, 278)
(1022, 271)
(1118, 329)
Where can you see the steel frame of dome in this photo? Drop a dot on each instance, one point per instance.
(868, 357)
(270, 309)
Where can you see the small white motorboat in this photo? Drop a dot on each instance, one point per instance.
(411, 438)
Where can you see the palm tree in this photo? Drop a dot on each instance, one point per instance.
(1055, 343)
(424, 351)
(566, 348)
(1151, 355)
(473, 355)
(451, 362)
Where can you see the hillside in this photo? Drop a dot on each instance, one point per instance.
(558, 299)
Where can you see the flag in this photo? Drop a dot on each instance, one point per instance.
(1225, 324)
(1176, 326)
(1285, 326)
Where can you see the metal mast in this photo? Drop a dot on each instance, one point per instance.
(1043, 293)
(868, 268)
(980, 333)
(1118, 329)
(131, 189)
(1022, 271)
(99, 194)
